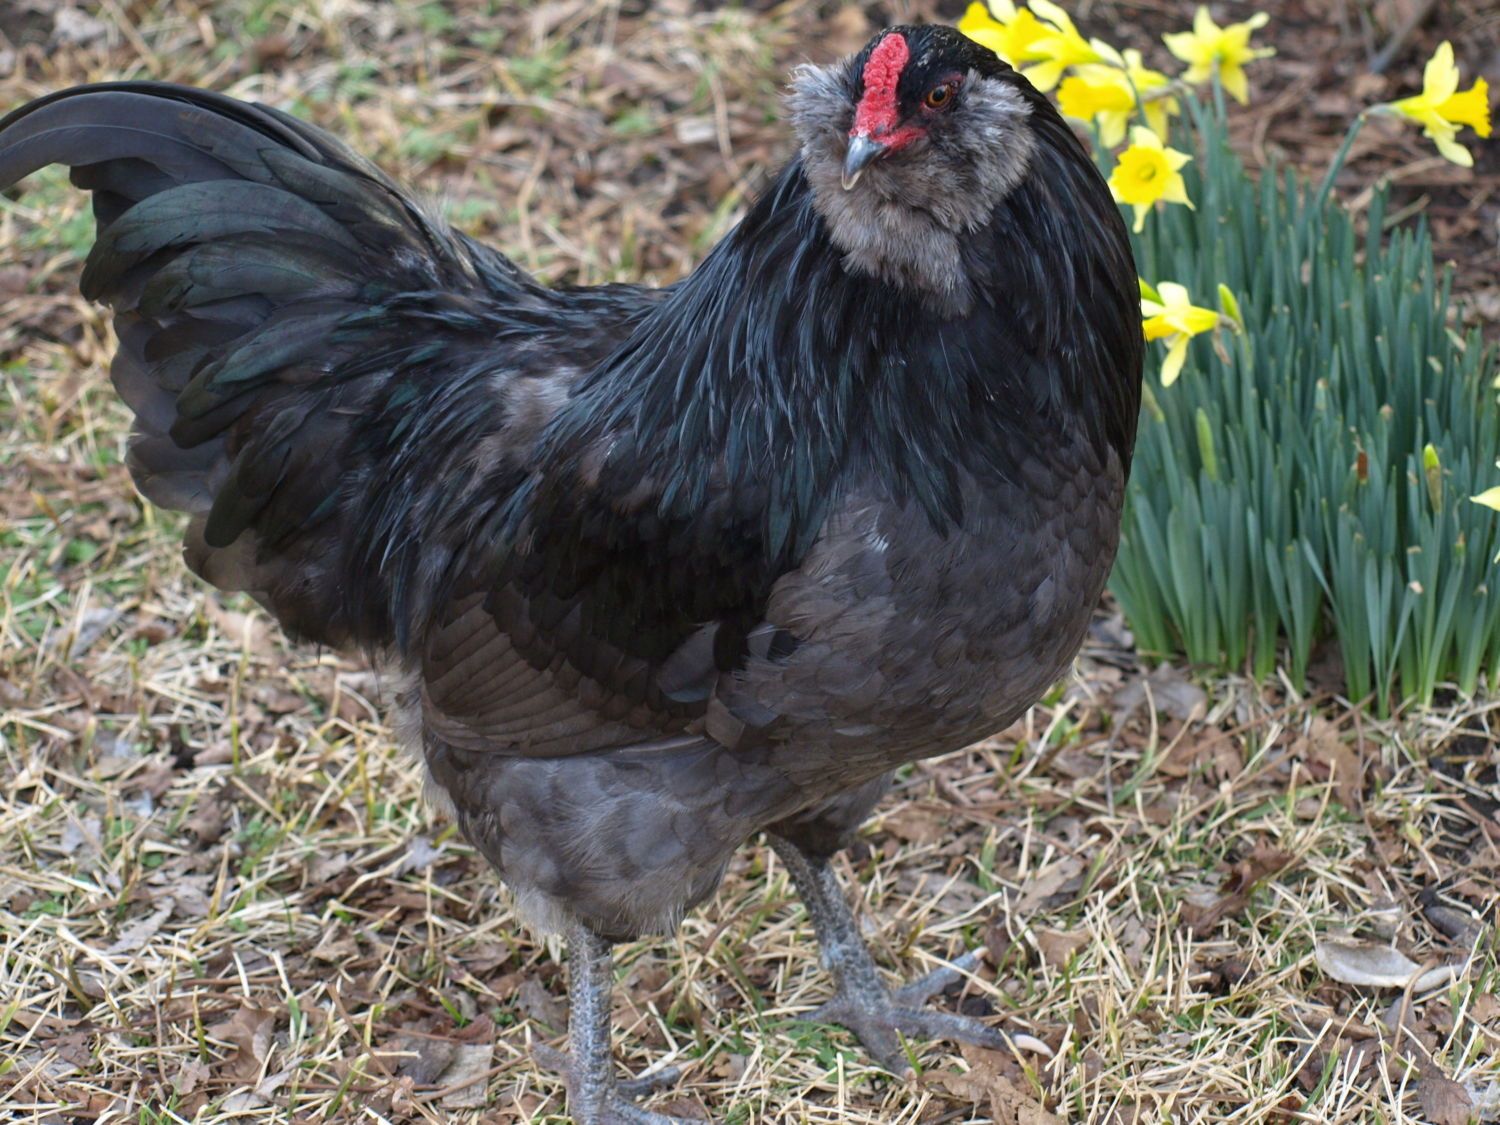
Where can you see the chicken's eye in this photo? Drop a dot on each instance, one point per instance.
(939, 96)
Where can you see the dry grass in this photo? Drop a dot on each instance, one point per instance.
(221, 899)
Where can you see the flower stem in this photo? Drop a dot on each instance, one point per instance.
(1337, 164)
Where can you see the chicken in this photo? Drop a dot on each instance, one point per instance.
(658, 569)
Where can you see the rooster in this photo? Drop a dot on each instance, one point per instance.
(659, 569)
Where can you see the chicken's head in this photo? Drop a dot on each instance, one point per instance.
(910, 145)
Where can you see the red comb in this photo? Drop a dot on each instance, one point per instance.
(877, 113)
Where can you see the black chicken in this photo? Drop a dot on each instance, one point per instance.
(659, 568)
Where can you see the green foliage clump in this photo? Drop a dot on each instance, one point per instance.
(1311, 475)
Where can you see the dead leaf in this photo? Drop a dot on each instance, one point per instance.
(92, 625)
(1485, 1008)
(335, 949)
(135, 935)
(464, 1076)
(206, 824)
(325, 867)
(1373, 965)
(1262, 862)
(1037, 888)
(78, 833)
(965, 1086)
(251, 631)
(682, 1109)
(155, 779)
(420, 1057)
(1444, 1101)
(1058, 948)
(539, 1004)
(1329, 756)
(248, 1032)
(192, 1075)
(1170, 692)
(919, 824)
(419, 854)
(456, 1062)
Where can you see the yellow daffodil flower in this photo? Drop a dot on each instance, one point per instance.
(1110, 93)
(1062, 46)
(1442, 110)
(1490, 498)
(1100, 92)
(1150, 86)
(1005, 29)
(1170, 315)
(1210, 49)
(1147, 173)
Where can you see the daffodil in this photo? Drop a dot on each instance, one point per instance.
(1005, 29)
(1100, 92)
(1442, 110)
(1060, 47)
(1170, 315)
(1149, 172)
(1210, 49)
(1110, 93)
(1490, 498)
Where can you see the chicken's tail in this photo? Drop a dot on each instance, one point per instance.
(285, 317)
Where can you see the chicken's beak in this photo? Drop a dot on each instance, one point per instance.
(861, 151)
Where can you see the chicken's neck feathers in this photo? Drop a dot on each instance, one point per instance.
(775, 371)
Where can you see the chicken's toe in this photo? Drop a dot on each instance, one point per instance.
(923, 989)
(873, 1027)
(862, 1002)
(619, 1111)
(877, 1025)
(632, 1089)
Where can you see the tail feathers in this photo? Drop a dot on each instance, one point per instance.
(254, 265)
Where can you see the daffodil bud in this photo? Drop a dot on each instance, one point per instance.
(1206, 449)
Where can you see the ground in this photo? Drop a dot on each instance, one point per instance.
(221, 897)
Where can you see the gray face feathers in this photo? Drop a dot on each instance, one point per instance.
(909, 146)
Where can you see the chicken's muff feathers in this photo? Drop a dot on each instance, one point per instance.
(340, 389)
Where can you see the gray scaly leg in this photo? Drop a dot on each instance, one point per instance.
(861, 1001)
(595, 1097)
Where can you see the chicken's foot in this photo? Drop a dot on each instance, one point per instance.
(861, 1001)
(595, 1096)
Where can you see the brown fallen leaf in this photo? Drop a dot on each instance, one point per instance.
(419, 1056)
(192, 1075)
(248, 1032)
(335, 947)
(1329, 756)
(1262, 862)
(206, 824)
(251, 631)
(1037, 888)
(464, 1076)
(1444, 1101)
(155, 779)
(135, 935)
(918, 824)
(1169, 691)
(682, 1109)
(1057, 948)
(537, 1003)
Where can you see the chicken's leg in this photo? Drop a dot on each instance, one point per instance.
(861, 1001)
(595, 1097)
